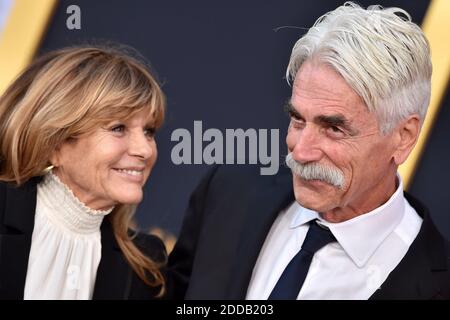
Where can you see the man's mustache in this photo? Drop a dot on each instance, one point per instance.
(316, 171)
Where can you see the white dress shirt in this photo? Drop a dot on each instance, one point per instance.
(368, 248)
(65, 247)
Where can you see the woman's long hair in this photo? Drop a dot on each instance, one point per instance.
(69, 93)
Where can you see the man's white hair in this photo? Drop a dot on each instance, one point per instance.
(381, 54)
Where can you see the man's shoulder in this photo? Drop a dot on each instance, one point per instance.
(434, 246)
(428, 228)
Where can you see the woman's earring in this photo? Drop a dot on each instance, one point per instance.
(48, 169)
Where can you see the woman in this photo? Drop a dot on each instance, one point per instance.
(77, 147)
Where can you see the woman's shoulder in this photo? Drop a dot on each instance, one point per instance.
(26, 186)
(3, 186)
(23, 194)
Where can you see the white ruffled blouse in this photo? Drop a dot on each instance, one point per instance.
(65, 246)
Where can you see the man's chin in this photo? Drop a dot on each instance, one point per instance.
(312, 199)
(310, 205)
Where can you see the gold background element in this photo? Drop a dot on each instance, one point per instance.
(21, 36)
(436, 26)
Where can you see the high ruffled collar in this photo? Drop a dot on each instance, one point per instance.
(65, 209)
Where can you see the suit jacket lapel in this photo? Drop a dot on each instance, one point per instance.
(423, 272)
(18, 219)
(114, 276)
(267, 201)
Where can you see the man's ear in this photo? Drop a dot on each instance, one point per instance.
(407, 134)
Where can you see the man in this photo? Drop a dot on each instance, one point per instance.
(339, 226)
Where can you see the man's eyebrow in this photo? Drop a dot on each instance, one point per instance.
(336, 120)
(290, 110)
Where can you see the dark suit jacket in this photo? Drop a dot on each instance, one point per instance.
(227, 221)
(115, 278)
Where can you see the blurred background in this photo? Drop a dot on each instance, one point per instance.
(223, 63)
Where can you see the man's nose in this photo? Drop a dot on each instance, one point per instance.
(307, 144)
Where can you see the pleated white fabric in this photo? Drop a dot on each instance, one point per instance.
(65, 246)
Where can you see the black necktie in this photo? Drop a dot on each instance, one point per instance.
(292, 278)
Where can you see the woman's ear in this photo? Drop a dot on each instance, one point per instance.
(55, 157)
(407, 133)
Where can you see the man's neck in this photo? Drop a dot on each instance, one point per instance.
(371, 200)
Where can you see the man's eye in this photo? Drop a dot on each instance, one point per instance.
(118, 128)
(297, 123)
(335, 132)
(335, 129)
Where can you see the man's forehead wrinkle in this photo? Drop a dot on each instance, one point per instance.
(327, 107)
(319, 76)
(317, 98)
(322, 94)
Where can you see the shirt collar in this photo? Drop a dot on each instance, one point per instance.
(362, 235)
(301, 215)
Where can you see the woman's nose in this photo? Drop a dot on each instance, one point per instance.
(140, 146)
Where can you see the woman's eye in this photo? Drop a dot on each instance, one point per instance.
(118, 128)
(149, 132)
